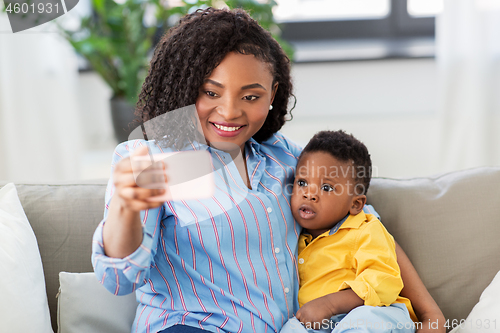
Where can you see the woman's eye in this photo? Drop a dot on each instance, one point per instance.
(210, 93)
(327, 188)
(251, 98)
(301, 182)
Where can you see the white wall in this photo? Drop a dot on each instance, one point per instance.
(393, 106)
(390, 105)
(99, 141)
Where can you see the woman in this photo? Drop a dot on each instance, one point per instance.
(234, 269)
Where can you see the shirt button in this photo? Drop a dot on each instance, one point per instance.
(269, 209)
(301, 260)
(277, 250)
(287, 290)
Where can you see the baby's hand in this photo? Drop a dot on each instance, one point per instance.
(315, 314)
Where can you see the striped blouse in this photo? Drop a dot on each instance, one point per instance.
(224, 264)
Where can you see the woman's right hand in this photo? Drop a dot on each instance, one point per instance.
(122, 231)
(134, 183)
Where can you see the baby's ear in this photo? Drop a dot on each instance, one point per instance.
(358, 202)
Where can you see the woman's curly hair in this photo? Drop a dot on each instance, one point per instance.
(188, 53)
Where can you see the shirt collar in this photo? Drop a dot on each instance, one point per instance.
(354, 221)
(338, 225)
(348, 222)
(199, 146)
(253, 149)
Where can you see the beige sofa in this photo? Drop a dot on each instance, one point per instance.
(449, 226)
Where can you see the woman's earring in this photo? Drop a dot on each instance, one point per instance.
(270, 107)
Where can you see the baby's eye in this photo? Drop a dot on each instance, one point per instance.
(301, 182)
(250, 97)
(327, 188)
(210, 93)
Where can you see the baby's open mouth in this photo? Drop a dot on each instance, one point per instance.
(306, 212)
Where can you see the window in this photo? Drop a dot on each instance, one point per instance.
(332, 30)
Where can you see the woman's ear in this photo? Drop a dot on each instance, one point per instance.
(275, 89)
(358, 202)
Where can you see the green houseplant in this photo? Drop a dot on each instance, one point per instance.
(117, 40)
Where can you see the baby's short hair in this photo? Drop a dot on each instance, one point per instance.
(345, 148)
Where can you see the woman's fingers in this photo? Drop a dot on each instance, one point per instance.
(147, 172)
(137, 179)
(123, 179)
(152, 177)
(138, 205)
(139, 193)
(136, 198)
(139, 160)
(140, 172)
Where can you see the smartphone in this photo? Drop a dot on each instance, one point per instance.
(189, 175)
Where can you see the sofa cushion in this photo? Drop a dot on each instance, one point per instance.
(485, 317)
(64, 217)
(85, 306)
(22, 282)
(449, 226)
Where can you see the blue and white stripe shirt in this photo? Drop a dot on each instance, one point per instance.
(224, 264)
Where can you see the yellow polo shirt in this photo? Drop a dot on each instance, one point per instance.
(360, 255)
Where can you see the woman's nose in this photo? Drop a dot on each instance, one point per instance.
(229, 109)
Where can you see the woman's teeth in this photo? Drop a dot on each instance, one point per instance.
(228, 129)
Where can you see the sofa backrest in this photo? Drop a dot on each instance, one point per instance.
(449, 226)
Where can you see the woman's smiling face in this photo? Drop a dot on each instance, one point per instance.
(234, 100)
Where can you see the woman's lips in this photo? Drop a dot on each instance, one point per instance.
(227, 130)
(306, 212)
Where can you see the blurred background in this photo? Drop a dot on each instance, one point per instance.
(418, 81)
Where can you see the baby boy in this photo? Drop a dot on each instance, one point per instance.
(349, 276)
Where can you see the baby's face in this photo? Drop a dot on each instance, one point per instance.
(323, 192)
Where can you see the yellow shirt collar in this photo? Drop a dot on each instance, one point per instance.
(354, 221)
(351, 222)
